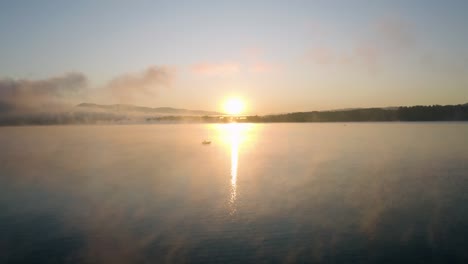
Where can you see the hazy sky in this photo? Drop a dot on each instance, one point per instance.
(279, 56)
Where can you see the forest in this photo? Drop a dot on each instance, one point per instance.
(404, 113)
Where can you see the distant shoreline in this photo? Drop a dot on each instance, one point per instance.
(434, 113)
(201, 123)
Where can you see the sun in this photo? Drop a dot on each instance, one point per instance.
(234, 106)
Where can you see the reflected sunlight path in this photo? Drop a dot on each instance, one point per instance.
(233, 135)
(234, 164)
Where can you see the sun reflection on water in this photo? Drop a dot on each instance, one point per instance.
(234, 134)
(234, 164)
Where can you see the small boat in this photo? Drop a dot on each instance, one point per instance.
(206, 142)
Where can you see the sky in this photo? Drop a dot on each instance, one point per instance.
(277, 56)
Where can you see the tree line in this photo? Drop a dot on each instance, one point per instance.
(412, 113)
(404, 113)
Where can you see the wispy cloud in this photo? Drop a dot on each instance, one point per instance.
(316, 30)
(216, 69)
(131, 87)
(24, 93)
(395, 33)
(322, 55)
(256, 62)
(71, 88)
(368, 55)
(387, 37)
(261, 67)
(254, 52)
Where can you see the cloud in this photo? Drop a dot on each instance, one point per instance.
(57, 92)
(130, 88)
(23, 93)
(388, 37)
(322, 55)
(316, 30)
(391, 37)
(250, 61)
(216, 69)
(254, 52)
(394, 33)
(261, 67)
(255, 62)
(367, 55)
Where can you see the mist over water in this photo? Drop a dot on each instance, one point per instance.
(320, 192)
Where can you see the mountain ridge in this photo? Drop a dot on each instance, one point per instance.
(146, 110)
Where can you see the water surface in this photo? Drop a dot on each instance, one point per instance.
(284, 193)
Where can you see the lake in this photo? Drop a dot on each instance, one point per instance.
(259, 193)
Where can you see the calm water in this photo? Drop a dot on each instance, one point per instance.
(330, 193)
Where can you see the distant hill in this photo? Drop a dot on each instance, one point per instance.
(403, 113)
(87, 113)
(126, 108)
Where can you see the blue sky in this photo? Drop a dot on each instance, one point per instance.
(277, 55)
